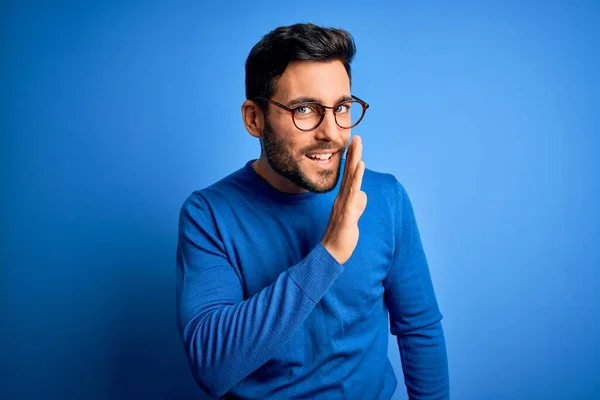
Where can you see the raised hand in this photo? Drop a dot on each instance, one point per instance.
(341, 235)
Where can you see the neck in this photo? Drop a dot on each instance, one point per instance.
(281, 183)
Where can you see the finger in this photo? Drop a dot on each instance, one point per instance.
(354, 157)
(356, 154)
(358, 177)
(347, 175)
(354, 161)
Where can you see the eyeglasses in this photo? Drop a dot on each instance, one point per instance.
(309, 115)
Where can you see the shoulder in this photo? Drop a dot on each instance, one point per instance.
(383, 184)
(201, 210)
(386, 190)
(197, 212)
(217, 193)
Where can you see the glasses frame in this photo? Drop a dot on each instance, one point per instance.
(292, 110)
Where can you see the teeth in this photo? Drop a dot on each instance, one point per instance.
(320, 156)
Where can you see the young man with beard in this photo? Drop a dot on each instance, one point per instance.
(285, 276)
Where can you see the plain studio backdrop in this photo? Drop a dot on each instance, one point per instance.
(112, 113)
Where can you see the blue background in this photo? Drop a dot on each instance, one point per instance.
(112, 113)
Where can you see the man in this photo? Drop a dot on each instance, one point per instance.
(285, 276)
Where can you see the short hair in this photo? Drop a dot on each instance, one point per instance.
(269, 58)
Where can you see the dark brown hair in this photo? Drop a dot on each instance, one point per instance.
(269, 58)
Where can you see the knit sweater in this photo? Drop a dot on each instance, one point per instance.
(266, 312)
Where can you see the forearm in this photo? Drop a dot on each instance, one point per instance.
(415, 317)
(225, 343)
(425, 362)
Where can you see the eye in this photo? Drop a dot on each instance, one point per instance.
(305, 109)
(343, 108)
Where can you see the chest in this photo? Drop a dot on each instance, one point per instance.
(262, 245)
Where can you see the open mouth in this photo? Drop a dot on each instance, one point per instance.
(322, 159)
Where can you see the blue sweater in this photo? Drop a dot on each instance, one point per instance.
(265, 311)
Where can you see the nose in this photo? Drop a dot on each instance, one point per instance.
(328, 130)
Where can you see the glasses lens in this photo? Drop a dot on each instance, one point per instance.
(308, 116)
(349, 114)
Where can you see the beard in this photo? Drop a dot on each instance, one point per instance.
(282, 160)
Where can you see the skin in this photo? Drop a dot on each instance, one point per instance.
(283, 162)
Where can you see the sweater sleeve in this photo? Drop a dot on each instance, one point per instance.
(225, 336)
(415, 318)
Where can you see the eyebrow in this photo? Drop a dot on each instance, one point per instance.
(305, 99)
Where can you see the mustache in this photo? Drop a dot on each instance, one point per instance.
(325, 147)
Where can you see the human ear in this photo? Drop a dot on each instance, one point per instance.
(253, 118)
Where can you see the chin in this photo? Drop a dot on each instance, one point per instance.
(323, 181)
(317, 178)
